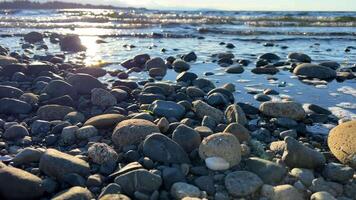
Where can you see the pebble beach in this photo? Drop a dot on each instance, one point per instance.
(190, 111)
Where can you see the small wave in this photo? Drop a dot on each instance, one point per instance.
(261, 32)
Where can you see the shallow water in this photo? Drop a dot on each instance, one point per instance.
(322, 35)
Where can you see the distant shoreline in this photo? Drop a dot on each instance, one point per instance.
(30, 5)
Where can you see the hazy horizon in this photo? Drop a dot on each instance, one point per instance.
(254, 5)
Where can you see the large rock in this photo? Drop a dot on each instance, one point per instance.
(35, 68)
(14, 106)
(58, 88)
(180, 190)
(132, 131)
(58, 164)
(138, 180)
(322, 196)
(288, 109)
(53, 112)
(10, 92)
(7, 60)
(105, 121)
(282, 192)
(155, 63)
(314, 71)
(338, 172)
(10, 69)
(15, 132)
(268, 171)
(224, 145)
(269, 57)
(74, 193)
(239, 131)
(297, 155)
(342, 143)
(180, 66)
(93, 71)
(234, 113)
(91, 82)
(101, 97)
(202, 109)
(33, 37)
(27, 155)
(300, 57)
(101, 153)
(19, 184)
(159, 147)
(71, 43)
(186, 137)
(167, 109)
(242, 183)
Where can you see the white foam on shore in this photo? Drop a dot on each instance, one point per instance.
(320, 129)
(347, 90)
(347, 105)
(342, 113)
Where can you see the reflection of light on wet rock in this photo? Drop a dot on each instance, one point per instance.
(347, 105)
(342, 113)
(320, 129)
(347, 90)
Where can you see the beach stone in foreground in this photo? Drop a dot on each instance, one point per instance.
(342, 143)
(84, 83)
(287, 109)
(105, 120)
(314, 71)
(10, 92)
(167, 109)
(159, 147)
(138, 180)
(242, 183)
(281, 192)
(298, 155)
(322, 196)
(19, 184)
(102, 153)
(101, 97)
(338, 172)
(15, 132)
(234, 113)
(224, 145)
(74, 193)
(53, 112)
(202, 109)
(27, 155)
(270, 172)
(14, 106)
(186, 137)
(181, 190)
(58, 88)
(132, 131)
(58, 164)
(238, 131)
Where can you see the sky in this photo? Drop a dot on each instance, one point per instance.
(299, 5)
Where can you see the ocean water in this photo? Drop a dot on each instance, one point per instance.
(324, 36)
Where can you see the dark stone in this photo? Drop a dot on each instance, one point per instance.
(160, 148)
(172, 175)
(14, 106)
(91, 82)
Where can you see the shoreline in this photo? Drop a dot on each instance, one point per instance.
(65, 133)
